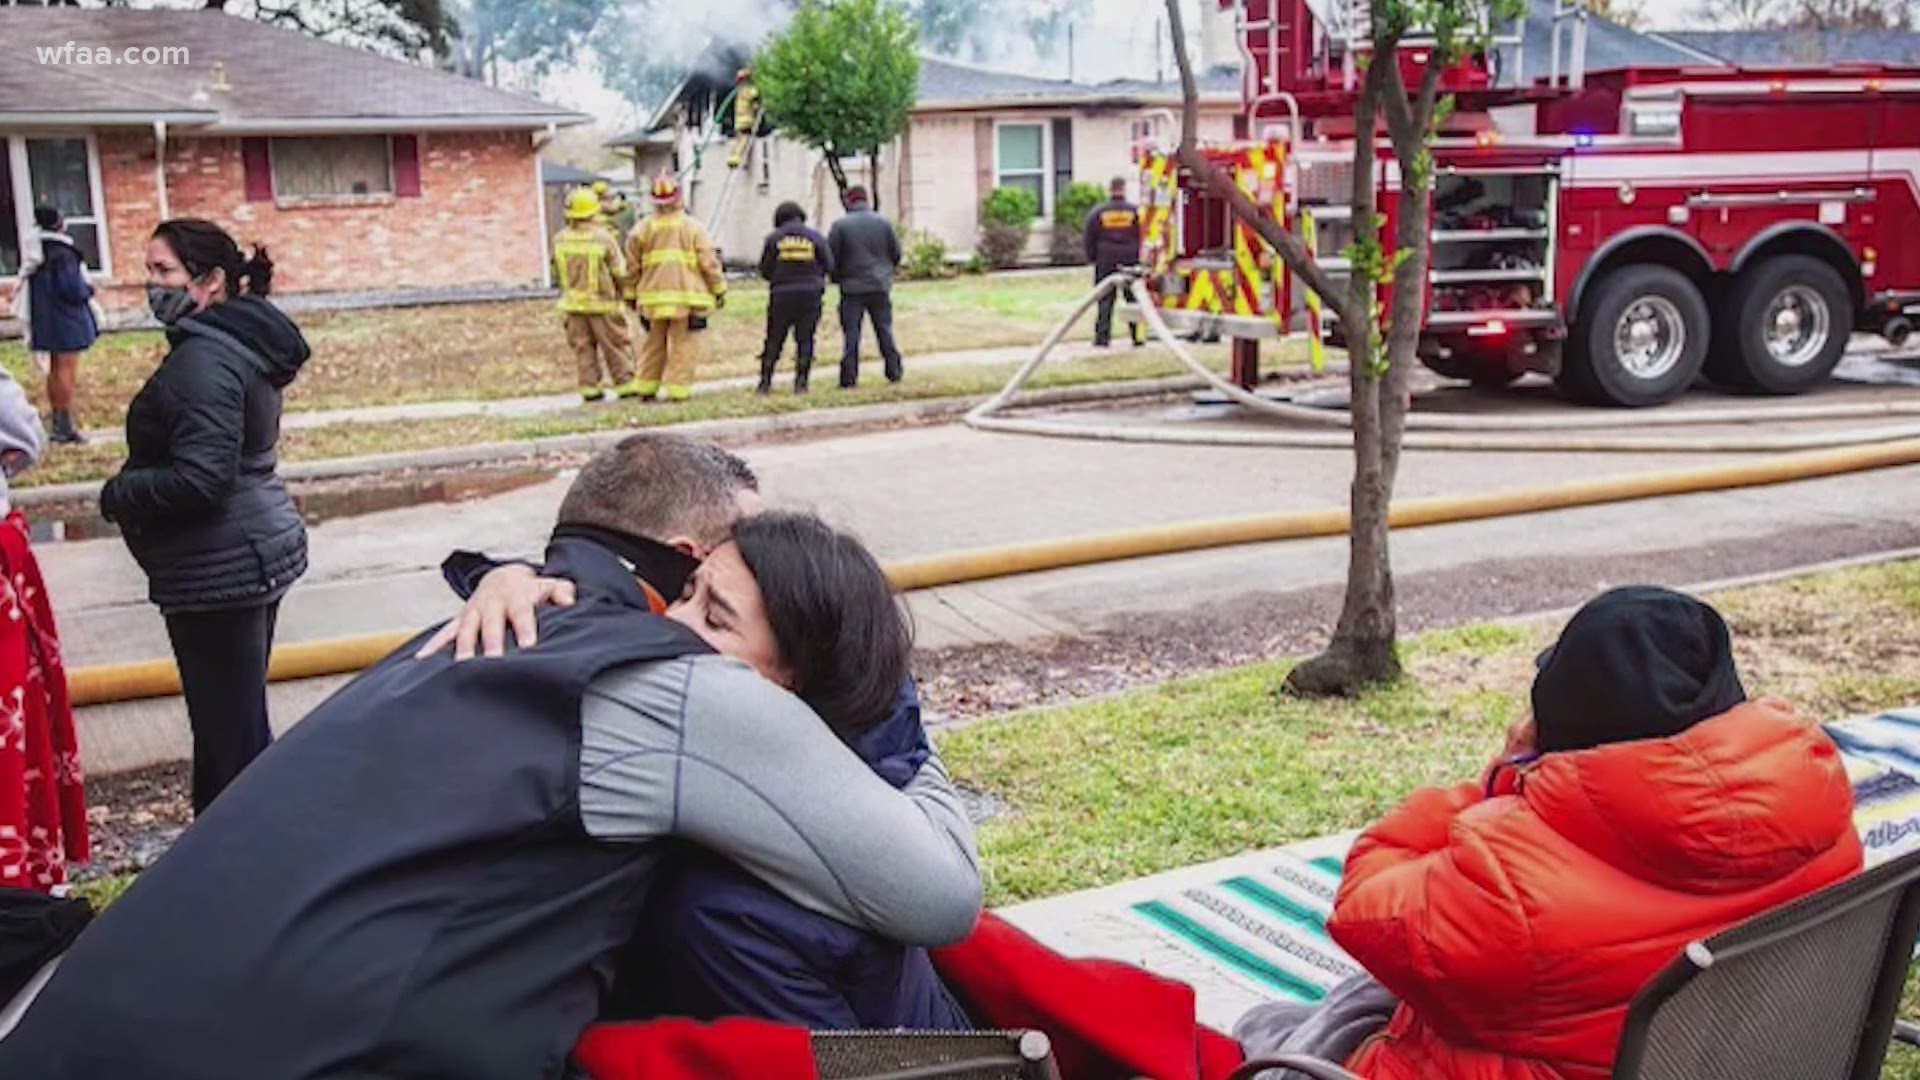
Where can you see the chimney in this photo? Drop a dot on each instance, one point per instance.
(1219, 34)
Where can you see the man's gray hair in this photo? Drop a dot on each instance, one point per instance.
(658, 486)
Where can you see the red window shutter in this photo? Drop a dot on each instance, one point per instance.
(259, 169)
(406, 166)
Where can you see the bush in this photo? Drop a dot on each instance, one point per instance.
(1015, 207)
(1006, 220)
(976, 264)
(926, 257)
(1069, 220)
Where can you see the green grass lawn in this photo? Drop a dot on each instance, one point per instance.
(517, 348)
(1220, 763)
(97, 461)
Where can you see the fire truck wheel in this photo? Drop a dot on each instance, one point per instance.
(1783, 327)
(1641, 339)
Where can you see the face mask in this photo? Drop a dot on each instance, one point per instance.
(169, 303)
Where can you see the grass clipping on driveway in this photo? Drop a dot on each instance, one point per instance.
(1222, 763)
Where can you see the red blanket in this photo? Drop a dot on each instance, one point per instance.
(43, 811)
(1106, 1019)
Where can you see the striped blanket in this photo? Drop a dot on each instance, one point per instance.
(1260, 923)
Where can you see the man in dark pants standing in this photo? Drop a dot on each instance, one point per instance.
(796, 262)
(865, 251)
(1112, 237)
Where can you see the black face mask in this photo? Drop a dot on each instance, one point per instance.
(665, 569)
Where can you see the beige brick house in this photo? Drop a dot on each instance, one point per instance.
(358, 172)
(971, 130)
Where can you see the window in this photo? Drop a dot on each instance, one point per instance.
(332, 166)
(58, 171)
(1020, 159)
(9, 217)
(763, 163)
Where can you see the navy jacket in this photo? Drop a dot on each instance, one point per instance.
(714, 941)
(57, 295)
(796, 259)
(1112, 235)
(200, 499)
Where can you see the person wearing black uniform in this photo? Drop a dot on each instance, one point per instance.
(1113, 241)
(796, 261)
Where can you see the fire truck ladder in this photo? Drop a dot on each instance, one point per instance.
(1350, 37)
(733, 177)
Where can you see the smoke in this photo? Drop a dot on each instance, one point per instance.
(1089, 40)
(706, 33)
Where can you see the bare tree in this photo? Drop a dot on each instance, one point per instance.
(1380, 351)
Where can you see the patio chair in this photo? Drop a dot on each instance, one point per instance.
(933, 1055)
(1806, 991)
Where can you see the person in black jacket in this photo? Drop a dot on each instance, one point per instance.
(1112, 238)
(865, 251)
(797, 262)
(200, 500)
(60, 318)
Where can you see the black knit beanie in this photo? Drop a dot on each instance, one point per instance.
(1634, 663)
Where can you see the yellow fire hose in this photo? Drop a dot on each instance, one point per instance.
(109, 683)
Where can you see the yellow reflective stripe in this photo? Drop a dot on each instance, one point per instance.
(1316, 349)
(672, 256)
(680, 297)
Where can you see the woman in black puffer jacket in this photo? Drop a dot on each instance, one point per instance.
(200, 500)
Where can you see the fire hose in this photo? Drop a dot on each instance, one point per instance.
(1445, 432)
(1809, 458)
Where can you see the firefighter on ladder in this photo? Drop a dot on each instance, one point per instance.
(746, 117)
(676, 283)
(591, 272)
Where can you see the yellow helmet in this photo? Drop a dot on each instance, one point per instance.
(601, 187)
(665, 189)
(582, 204)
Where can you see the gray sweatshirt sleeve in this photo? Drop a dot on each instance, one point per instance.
(704, 749)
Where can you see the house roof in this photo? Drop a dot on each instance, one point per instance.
(279, 80)
(559, 172)
(950, 84)
(1789, 48)
(1610, 46)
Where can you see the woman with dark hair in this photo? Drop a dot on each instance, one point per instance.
(797, 262)
(60, 318)
(200, 499)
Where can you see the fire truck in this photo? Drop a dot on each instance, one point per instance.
(1623, 231)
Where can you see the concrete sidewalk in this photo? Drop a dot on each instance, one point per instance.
(519, 408)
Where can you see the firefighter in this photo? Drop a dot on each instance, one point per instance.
(588, 265)
(1112, 238)
(676, 282)
(612, 206)
(746, 116)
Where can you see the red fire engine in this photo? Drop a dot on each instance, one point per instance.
(1624, 231)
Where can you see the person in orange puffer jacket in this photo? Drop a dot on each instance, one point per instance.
(1646, 805)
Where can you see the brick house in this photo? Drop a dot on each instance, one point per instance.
(358, 172)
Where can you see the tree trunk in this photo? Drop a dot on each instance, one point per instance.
(873, 178)
(839, 174)
(1362, 647)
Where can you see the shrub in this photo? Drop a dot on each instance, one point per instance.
(926, 257)
(1069, 220)
(1006, 220)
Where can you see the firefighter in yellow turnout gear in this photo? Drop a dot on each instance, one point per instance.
(591, 272)
(746, 116)
(677, 281)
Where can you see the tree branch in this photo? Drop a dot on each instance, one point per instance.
(1303, 264)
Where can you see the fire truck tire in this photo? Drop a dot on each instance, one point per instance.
(1783, 327)
(1641, 339)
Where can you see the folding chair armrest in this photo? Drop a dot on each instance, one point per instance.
(1906, 1031)
(1311, 1066)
